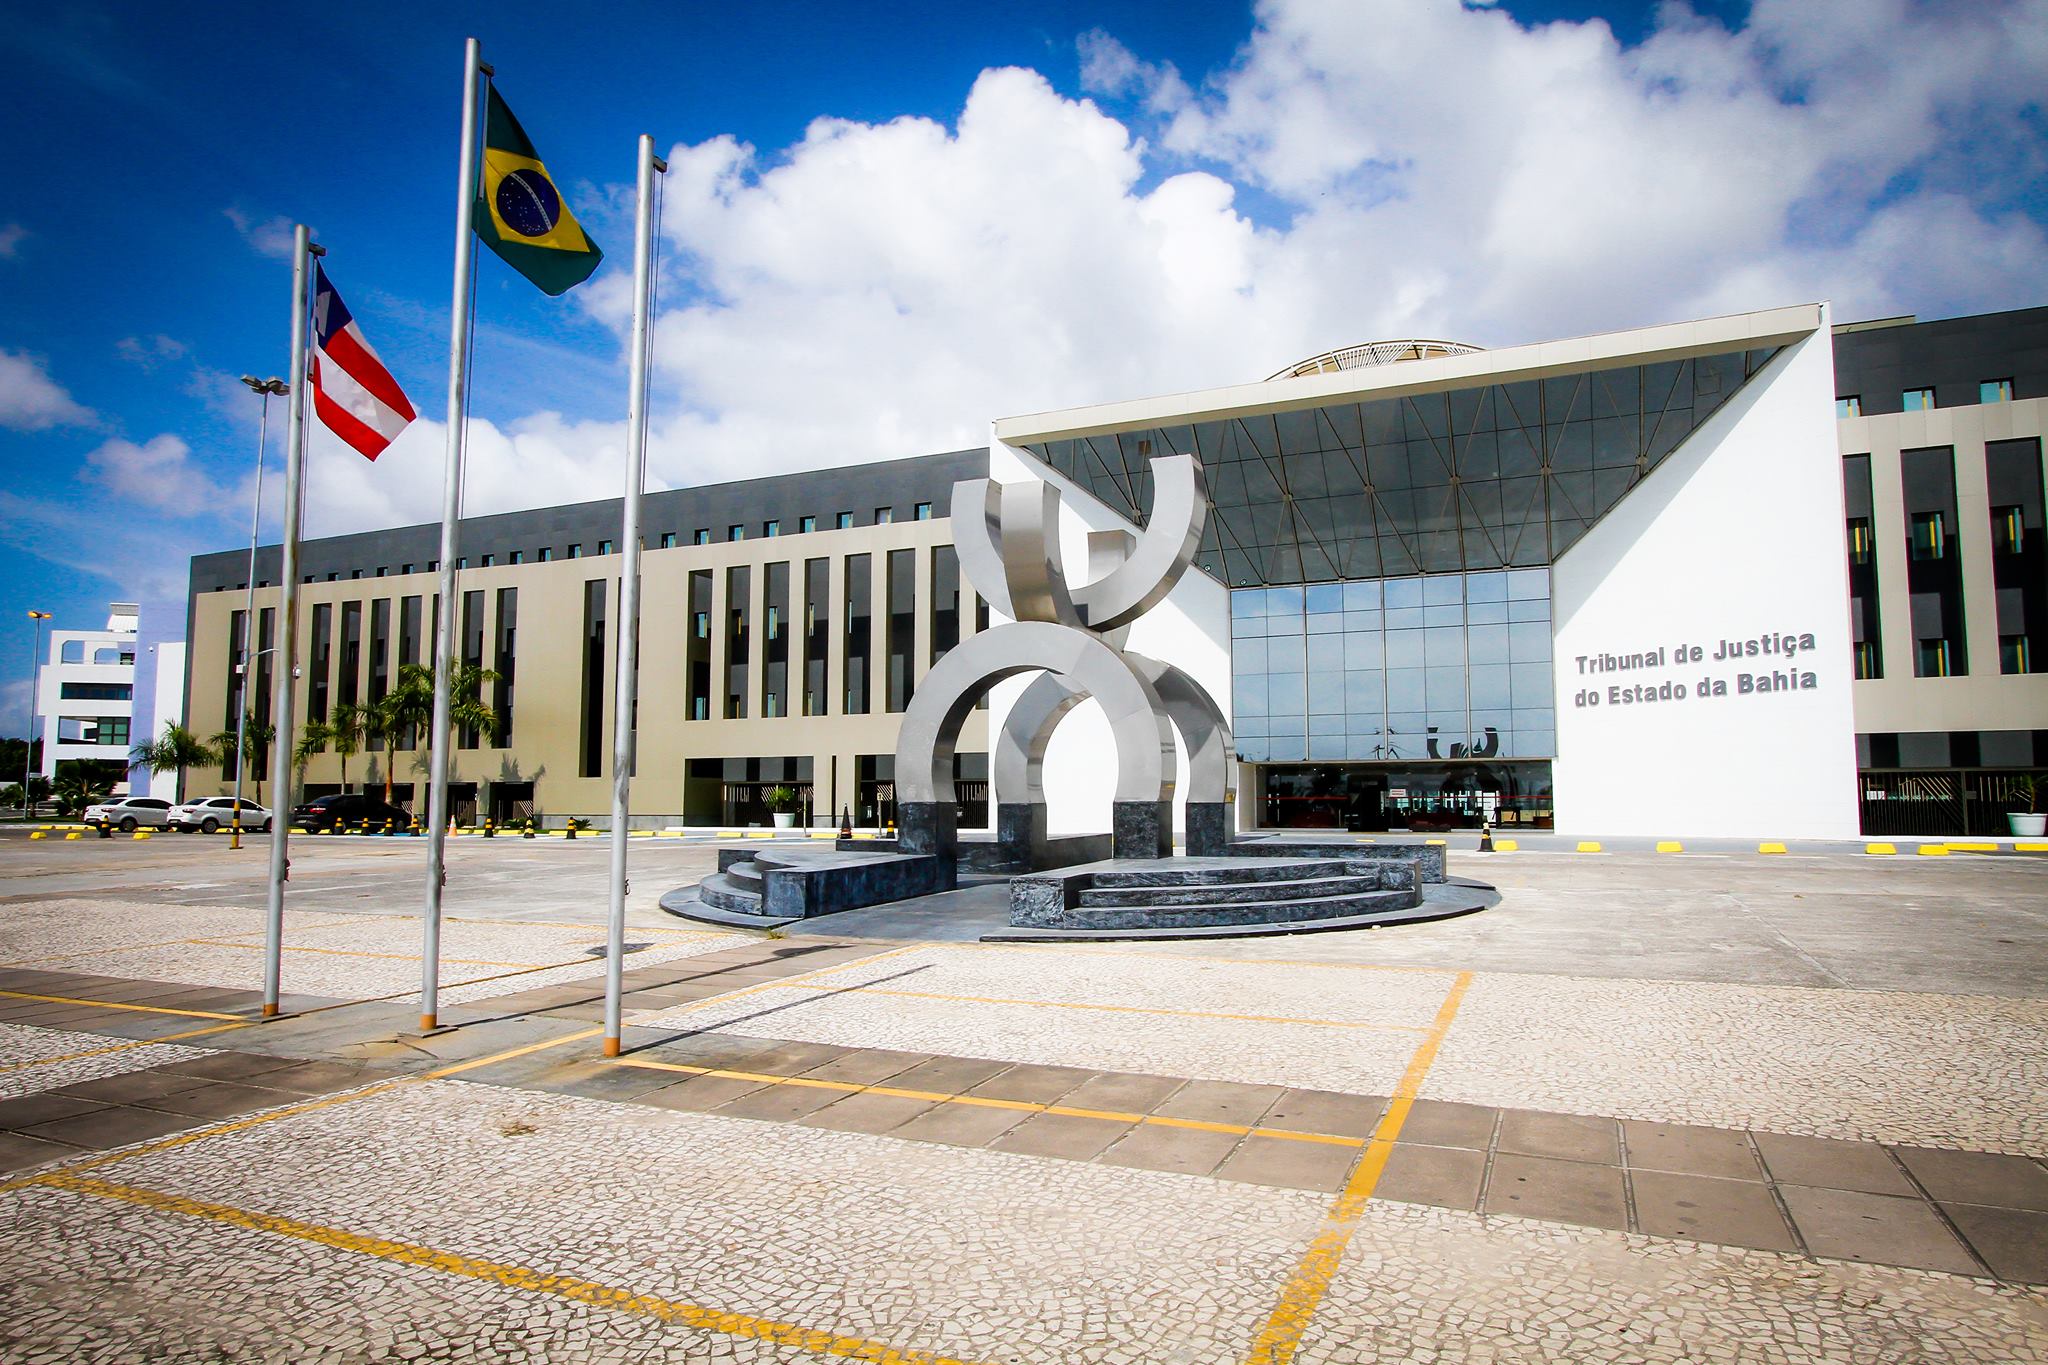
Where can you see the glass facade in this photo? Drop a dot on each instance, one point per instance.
(1490, 477)
(1444, 667)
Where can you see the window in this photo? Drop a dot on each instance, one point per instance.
(668, 540)
(380, 571)
(924, 511)
(844, 521)
(91, 691)
(806, 525)
(1852, 406)
(884, 515)
(1866, 659)
(1995, 391)
(352, 573)
(2013, 654)
(735, 532)
(1930, 536)
(771, 528)
(333, 576)
(2008, 530)
(1916, 400)
(544, 554)
(575, 549)
(604, 547)
(461, 563)
(1859, 540)
(1934, 659)
(489, 560)
(516, 557)
(703, 536)
(404, 568)
(109, 654)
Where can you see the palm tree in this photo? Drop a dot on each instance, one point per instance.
(348, 730)
(78, 788)
(406, 712)
(176, 749)
(312, 738)
(259, 737)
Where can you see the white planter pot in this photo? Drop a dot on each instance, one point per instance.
(785, 819)
(2028, 826)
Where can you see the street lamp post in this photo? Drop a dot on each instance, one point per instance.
(35, 679)
(265, 389)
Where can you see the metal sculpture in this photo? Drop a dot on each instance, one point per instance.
(1007, 538)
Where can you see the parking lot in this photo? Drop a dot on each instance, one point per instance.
(1708, 1106)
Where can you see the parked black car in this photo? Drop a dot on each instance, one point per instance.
(348, 811)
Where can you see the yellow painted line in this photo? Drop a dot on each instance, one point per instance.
(1955, 847)
(527, 1279)
(1879, 849)
(990, 1102)
(1589, 846)
(1934, 850)
(2030, 848)
(1120, 1009)
(1281, 1336)
(128, 1046)
(1670, 846)
(116, 1005)
(1770, 848)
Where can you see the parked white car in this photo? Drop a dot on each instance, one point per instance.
(130, 813)
(218, 812)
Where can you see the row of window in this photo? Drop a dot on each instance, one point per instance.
(843, 521)
(1922, 400)
(73, 652)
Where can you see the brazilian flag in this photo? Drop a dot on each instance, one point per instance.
(520, 214)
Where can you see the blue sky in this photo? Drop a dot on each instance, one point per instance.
(1006, 209)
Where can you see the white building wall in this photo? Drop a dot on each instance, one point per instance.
(1735, 539)
(167, 707)
(1190, 629)
(97, 654)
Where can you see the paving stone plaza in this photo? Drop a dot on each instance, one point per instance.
(1709, 1106)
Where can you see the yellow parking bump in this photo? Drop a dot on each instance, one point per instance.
(1440, 843)
(1770, 848)
(72, 835)
(141, 834)
(1955, 847)
(1879, 848)
(862, 834)
(1934, 850)
(1670, 846)
(727, 834)
(824, 834)
(1505, 845)
(38, 834)
(1589, 846)
(760, 834)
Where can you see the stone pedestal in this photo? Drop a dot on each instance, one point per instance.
(1142, 829)
(1211, 827)
(927, 827)
(1020, 832)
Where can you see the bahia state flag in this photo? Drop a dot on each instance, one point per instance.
(520, 214)
(353, 394)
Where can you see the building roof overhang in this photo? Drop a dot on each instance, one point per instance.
(1643, 345)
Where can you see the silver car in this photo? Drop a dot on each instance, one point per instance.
(130, 813)
(212, 813)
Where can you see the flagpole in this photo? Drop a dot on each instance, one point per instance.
(629, 593)
(303, 251)
(451, 509)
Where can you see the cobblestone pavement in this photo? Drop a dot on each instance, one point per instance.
(816, 1150)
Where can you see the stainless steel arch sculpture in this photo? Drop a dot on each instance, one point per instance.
(1007, 538)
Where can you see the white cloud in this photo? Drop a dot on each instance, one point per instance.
(150, 351)
(1109, 68)
(270, 236)
(32, 401)
(11, 237)
(158, 474)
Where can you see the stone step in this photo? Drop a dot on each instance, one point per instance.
(1225, 893)
(747, 875)
(1234, 912)
(721, 890)
(1229, 871)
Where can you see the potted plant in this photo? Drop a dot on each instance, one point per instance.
(783, 803)
(2027, 824)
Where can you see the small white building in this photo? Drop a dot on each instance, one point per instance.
(85, 699)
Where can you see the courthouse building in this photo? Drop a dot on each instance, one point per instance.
(1751, 576)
